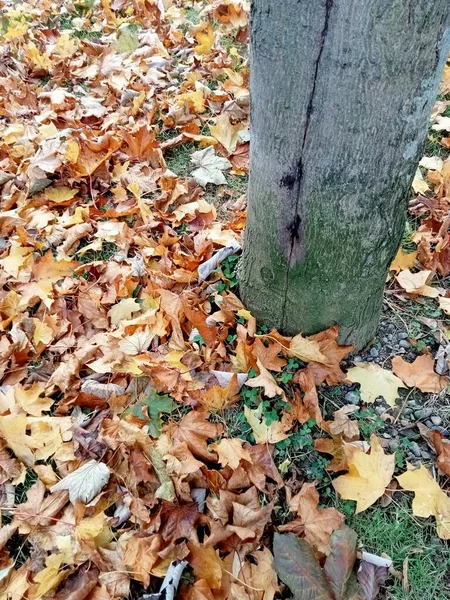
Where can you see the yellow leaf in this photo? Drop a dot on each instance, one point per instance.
(66, 45)
(429, 499)
(231, 452)
(43, 334)
(72, 151)
(30, 399)
(94, 529)
(123, 310)
(60, 194)
(375, 381)
(195, 101)
(270, 434)
(50, 577)
(17, 258)
(306, 350)
(205, 41)
(16, 29)
(419, 185)
(225, 132)
(403, 261)
(40, 60)
(13, 431)
(368, 475)
(46, 436)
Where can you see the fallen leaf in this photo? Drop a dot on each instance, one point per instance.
(340, 450)
(419, 373)
(416, 283)
(231, 452)
(209, 167)
(429, 499)
(123, 310)
(297, 567)
(194, 429)
(317, 524)
(263, 433)
(266, 381)
(368, 476)
(403, 261)
(442, 446)
(341, 560)
(225, 132)
(371, 578)
(85, 482)
(306, 349)
(375, 381)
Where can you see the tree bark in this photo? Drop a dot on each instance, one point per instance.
(341, 93)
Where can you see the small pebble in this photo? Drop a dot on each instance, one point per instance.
(401, 350)
(412, 403)
(404, 423)
(390, 336)
(423, 413)
(374, 352)
(358, 359)
(385, 340)
(393, 445)
(408, 411)
(415, 449)
(426, 455)
(436, 420)
(353, 398)
(387, 436)
(428, 423)
(404, 344)
(391, 326)
(402, 335)
(380, 410)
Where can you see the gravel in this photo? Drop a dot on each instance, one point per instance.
(423, 413)
(374, 352)
(436, 420)
(402, 335)
(415, 449)
(353, 398)
(404, 344)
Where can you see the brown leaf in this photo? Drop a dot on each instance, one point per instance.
(194, 429)
(206, 564)
(343, 425)
(340, 450)
(310, 399)
(419, 374)
(268, 355)
(316, 523)
(177, 521)
(330, 371)
(79, 584)
(442, 446)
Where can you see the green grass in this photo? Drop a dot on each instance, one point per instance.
(109, 249)
(178, 159)
(394, 531)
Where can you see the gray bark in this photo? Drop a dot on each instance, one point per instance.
(341, 93)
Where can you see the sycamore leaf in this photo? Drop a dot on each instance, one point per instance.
(13, 431)
(225, 132)
(316, 523)
(209, 167)
(375, 381)
(205, 41)
(127, 39)
(231, 452)
(84, 483)
(429, 499)
(368, 476)
(263, 433)
(416, 283)
(266, 381)
(194, 429)
(419, 374)
(60, 195)
(297, 567)
(136, 343)
(403, 261)
(30, 399)
(306, 349)
(123, 310)
(340, 450)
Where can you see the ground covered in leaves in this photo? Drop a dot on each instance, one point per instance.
(145, 417)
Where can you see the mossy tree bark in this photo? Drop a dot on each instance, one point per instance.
(341, 94)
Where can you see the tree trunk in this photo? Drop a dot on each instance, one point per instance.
(341, 94)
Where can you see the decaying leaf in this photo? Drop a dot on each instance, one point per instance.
(209, 167)
(271, 434)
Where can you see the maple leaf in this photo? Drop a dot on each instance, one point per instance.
(317, 524)
(231, 452)
(206, 565)
(225, 132)
(416, 283)
(429, 499)
(442, 446)
(123, 310)
(375, 381)
(30, 399)
(419, 374)
(342, 424)
(271, 434)
(368, 476)
(266, 381)
(194, 429)
(403, 261)
(340, 450)
(268, 355)
(205, 41)
(306, 349)
(334, 353)
(209, 167)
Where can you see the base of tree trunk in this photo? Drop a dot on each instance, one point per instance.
(341, 95)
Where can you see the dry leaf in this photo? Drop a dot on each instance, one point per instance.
(84, 483)
(271, 434)
(368, 476)
(419, 374)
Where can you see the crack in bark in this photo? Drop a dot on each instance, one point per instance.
(293, 181)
